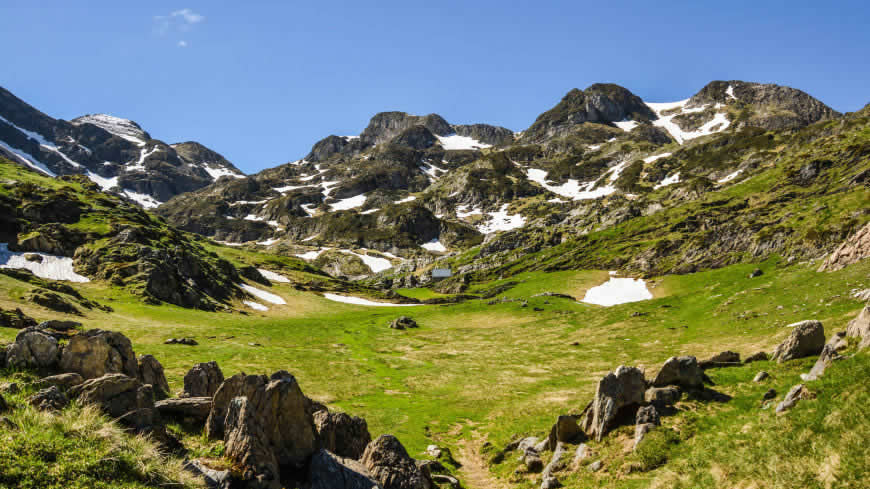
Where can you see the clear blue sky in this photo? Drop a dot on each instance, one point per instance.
(260, 82)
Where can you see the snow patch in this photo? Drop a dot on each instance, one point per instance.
(457, 142)
(103, 182)
(268, 242)
(719, 123)
(348, 203)
(626, 125)
(409, 198)
(123, 128)
(216, 172)
(374, 263)
(262, 294)
(434, 245)
(500, 220)
(650, 159)
(51, 267)
(347, 299)
(618, 291)
(255, 305)
(675, 178)
(28, 159)
(143, 200)
(311, 255)
(274, 277)
(729, 177)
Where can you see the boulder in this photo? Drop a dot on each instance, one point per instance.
(532, 460)
(647, 418)
(33, 348)
(617, 391)
(239, 385)
(403, 322)
(270, 431)
(195, 409)
(682, 371)
(756, 357)
(828, 355)
(860, 328)
(202, 380)
(341, 434)
(331, 471)
(181, 341)
(49, 399)
(151, 372)
(580, 454)
(95, 352)
(795, 394)
(719, 360)
(214, 479)
(389, 463)
(122, 397)
(564, 430)
(760, 376)
(595, 466)
(555, 464)
(662, 396)
(63, 381)
(806, 339)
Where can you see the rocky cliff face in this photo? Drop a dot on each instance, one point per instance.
(115, 153)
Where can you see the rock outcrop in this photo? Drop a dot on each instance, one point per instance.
(341, 434)
(96, 352)
(794, 395)
(853, 250)
(193, 409)
(683, 371)
(806, 339)
(389, 463)
(122, 397)
(860, 328)
(330, 471)
(49, 399)
(618, 390)
(151, 372)
(647, 419)
(202, 380)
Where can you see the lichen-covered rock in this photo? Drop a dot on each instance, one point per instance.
(330, 471)
(151, 372)
(32, 349)
(806, 339)
(342, 434)
(389, 463)
(682, 371)
(623, 388)
(195, 409)
(96, 352)
(202, 380)
(49, 399)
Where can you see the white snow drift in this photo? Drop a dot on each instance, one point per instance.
(618, 291)
(348, 299)
(262, 294)
(51, 267)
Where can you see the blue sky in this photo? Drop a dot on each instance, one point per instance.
(260, 82)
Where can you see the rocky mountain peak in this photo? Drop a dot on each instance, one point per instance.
(385, 126)
(123, 128)
(601, 102)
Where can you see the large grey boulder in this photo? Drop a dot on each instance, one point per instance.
(620, 389)
(331, 471)
(271, 430)
(565, 430)
(96, 352)
(341, 434)
(151, 372)
(662, 396)
(389, 463)
(202, 380)
(239, 385)
(32, 349)
(683, 371)
(806, 339)
(860, 328)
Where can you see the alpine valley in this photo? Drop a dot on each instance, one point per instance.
(625, 294)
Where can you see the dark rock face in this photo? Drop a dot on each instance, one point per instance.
(341, 434)
(239, 385)
(417, 137)
(33, 349)
(96, 352)
(623, 388)
(203, 380)
(806, 339)
(647, 419)
(331, 471)
(62, 381)
(775, 107)
(403, 322)
(602, 103)
(721, 359)
(485, 133)
(682, 371)
(387, 125)
(151, 372)
(122, 397)
(565, 430)
(663, 396)
(389, 463)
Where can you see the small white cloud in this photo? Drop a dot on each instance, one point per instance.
(189, 16)
(182, 43)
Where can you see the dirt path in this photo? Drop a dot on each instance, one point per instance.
(474, 471)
